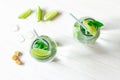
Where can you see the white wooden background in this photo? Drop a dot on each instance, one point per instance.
(73, 61)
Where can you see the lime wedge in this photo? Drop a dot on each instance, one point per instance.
(50, 15)
(91, 28)
(39, 13)
(40, 52)
(25, 14)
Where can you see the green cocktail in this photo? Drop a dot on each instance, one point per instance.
(88, 32)
(43, 51)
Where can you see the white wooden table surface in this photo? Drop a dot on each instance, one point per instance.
(73, 61)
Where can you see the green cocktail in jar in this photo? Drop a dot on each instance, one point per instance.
(89, 31)
(43, 50)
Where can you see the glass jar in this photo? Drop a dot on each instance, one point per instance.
(43, 51)
(81, 35)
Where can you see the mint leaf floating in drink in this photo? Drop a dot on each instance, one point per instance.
(40, 52)
(50, 15)
(91, 28)
(90, 23)
(25, 14)
(39, 13)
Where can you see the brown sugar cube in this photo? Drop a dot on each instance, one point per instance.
(14, 57)
(18, 62)
(17, 53)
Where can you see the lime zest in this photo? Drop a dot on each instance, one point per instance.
(25, 14)
(40, 52)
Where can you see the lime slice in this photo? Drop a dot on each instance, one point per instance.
(91, 28)
(25, 14)
(50, 15)
(40, 52)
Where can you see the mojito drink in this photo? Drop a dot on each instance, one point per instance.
(88, 32)
(44, 50)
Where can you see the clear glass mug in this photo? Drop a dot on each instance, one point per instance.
(49, 47)
(79, 33)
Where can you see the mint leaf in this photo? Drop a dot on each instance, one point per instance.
(90, 23)
(98, 24)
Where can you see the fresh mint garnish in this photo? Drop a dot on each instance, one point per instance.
(96, 23)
